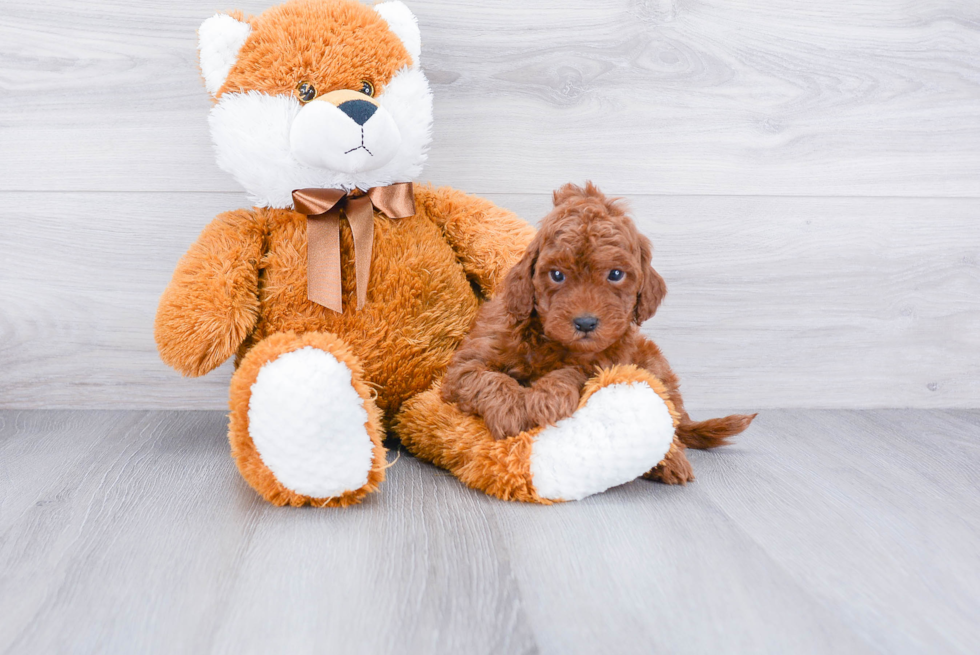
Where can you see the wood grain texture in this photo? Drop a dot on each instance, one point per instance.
(819, 531)
(132, 532)
(773, 302)
(874, 507)
(787, 291)
(841, 97)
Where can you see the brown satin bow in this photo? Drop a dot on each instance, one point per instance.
(323, 208)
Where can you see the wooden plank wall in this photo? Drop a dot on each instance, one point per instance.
(809, 174)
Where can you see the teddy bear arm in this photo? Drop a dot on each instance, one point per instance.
(211, 304)
(487, 240)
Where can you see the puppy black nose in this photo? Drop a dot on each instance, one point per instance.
(358, 110)
(585, 323)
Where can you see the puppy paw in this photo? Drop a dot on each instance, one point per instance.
(675, 469)
(555, 396)
(506, 421)
(501, 403)
(549, 408)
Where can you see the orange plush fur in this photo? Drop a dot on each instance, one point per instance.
(244, 283)
(331, 45)
(421, 300)
(241, 289)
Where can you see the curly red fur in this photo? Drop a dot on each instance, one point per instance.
(526, 360)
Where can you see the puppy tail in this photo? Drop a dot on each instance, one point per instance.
(711, 433)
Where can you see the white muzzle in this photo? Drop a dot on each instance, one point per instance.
(346, 134)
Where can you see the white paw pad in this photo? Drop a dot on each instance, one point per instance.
(623, 431)
(308, 424)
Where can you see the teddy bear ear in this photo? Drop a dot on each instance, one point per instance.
(402, 22)
(219, 40)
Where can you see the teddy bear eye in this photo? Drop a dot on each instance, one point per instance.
(616, 275)
(367, 88)
(305, 91)
(557, 276)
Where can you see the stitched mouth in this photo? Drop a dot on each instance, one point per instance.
(360, 147)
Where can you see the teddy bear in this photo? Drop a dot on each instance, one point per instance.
(347, 287)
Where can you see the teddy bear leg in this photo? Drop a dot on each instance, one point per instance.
(304, 427)
(624, 427)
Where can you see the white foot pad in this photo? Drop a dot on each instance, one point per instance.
(308, 424)
(622, 432)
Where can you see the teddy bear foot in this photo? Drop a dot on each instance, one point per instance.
(624, 427)
(304, 428)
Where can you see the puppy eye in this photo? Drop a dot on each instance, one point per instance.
(557, 276)
(367, 88)
(305, 92)
(616, 275)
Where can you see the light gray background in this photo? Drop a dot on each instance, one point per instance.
(809, 173)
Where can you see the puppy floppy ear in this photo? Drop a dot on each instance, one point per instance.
(518, 288)
(652, 289)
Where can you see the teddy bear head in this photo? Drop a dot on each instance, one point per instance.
(316, 94)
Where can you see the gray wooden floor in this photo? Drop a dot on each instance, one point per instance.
(820, 531)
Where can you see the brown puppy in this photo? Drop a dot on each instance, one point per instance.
(571, 305)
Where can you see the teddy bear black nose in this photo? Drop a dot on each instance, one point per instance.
(358, 110)
(585, 323)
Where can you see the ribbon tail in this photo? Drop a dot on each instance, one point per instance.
(360, 215)
(323, 260)
(395, 200)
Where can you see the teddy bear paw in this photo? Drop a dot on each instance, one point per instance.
(310, 436)
(621, 432)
